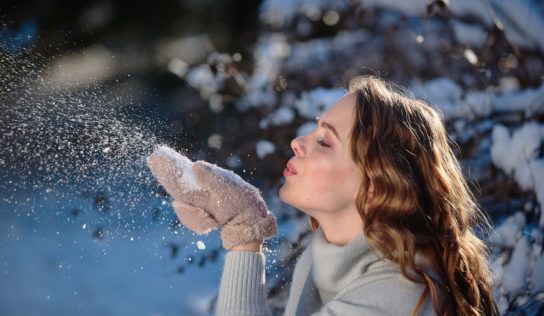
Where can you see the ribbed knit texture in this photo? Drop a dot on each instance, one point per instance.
(328, 280)
(242, 290)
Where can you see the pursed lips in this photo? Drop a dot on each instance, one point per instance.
(289, 170)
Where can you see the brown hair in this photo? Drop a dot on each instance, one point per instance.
(421, 202)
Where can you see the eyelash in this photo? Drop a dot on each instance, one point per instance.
(322, 143)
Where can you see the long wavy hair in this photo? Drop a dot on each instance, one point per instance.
(421, 203)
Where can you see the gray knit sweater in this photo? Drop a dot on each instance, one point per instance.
(328, 280)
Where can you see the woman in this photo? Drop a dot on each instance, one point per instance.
(391, 212)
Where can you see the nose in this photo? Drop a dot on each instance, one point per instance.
(297, 146)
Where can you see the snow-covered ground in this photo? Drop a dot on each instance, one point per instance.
(51, 264)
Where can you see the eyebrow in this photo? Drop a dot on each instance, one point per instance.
(329, 126)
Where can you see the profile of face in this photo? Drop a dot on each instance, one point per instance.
(322, 178)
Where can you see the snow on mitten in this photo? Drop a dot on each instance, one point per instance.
(207, 196)
(174, 172)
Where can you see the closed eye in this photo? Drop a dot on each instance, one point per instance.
(322, 143)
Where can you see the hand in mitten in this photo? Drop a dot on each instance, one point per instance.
(207, 196)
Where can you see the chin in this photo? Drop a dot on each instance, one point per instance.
(282, 195)
(287, 198)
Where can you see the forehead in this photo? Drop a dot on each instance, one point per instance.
(341, 115)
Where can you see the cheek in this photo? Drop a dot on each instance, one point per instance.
(344, 184)
(331, 182)
(326, 179)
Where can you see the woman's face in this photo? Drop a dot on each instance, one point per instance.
(322, 177)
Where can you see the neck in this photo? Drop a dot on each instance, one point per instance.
(340, 228)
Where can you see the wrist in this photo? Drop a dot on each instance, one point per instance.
(254, 246)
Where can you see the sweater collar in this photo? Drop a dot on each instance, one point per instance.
(334, 267)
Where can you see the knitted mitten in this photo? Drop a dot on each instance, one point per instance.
(207, 196)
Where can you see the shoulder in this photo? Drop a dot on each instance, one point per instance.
(383, 290)
(384, 272)
(384, 279)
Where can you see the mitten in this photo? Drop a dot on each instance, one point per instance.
(207, 197)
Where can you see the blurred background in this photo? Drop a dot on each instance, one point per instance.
(88, 89)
